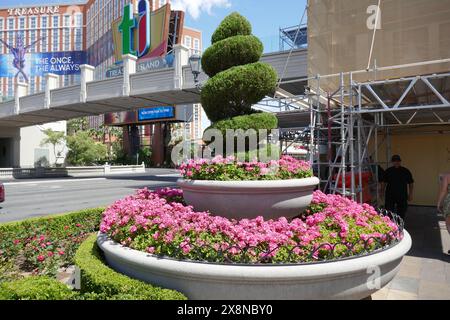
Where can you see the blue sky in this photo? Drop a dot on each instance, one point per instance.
(266, 16)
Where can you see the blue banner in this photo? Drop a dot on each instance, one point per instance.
(38, 64)
(156, 113)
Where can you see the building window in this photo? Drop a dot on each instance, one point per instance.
(66, 22)
(22, 23)
(10, 87)
(197, 46)
(78, 39)
(55, 40)
(44, 22)
(33, 23)
(32, 34)
(188, 41)
(1, 34)
(32, 85)
(66, 80)
(78, 20)
(44, 40)
(66, 36)
(55, 22)
(10, 23)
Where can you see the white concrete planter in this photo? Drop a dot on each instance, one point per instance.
(248, 199)
(354, 278)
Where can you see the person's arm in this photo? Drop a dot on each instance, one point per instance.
(411, 191)
(443, 191)
(5, 44)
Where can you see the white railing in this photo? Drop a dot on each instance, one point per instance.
(41, 172)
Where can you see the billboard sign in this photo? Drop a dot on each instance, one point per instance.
(156, 113)
(145, 34)
(38, 64)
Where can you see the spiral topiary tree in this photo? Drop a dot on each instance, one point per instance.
(237, 79)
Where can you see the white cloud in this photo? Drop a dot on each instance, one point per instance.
(196, 7)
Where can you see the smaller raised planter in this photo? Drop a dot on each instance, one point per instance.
(249, 199)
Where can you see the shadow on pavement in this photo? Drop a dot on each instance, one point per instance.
(428, 233)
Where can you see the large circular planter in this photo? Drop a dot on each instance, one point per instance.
(249, 199)
(354, 278)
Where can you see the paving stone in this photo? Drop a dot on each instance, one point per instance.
(410, 270)
(401, 295)
(407, 284)
(381, 294)
(434, 290)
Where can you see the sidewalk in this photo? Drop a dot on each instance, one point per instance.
(425, 271)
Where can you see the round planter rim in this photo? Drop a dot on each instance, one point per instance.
(242, 184)
(313, 269)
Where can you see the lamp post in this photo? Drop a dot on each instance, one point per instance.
(195, 63)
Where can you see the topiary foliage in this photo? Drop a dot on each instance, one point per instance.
(255, 121)
(232, 25)
(237, 50)
(238, 80)
(232, 92)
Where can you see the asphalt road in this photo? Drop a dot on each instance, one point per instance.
(33, 198)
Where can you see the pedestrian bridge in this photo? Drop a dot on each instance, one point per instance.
(170, 86)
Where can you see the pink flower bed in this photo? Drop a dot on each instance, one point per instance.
(333, 227)
(223, 169)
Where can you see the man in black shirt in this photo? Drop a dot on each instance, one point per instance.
(399, 185)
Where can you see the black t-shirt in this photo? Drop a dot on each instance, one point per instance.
(397, 180)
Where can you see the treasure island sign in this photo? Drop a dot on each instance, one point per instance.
(33, 11)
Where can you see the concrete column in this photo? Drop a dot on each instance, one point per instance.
(51, 82)
(181, 59)
(21, 90)
(87, 75)
(129, 68)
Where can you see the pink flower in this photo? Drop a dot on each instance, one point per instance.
(40, 258)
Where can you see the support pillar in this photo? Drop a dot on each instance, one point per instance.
(87, 75)
(129, 68)
(51, 83)
(181, 54)
(21, 90)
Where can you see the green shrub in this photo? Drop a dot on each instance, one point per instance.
(256, 121)
(233, 92)
(98, 281)
(235, 51)
(232, 25)
(36, 288)
(84, 150)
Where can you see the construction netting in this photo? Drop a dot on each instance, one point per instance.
(341, 33)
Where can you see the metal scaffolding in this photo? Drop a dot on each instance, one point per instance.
(344, 130)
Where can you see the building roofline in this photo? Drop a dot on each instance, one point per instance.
(193, 29)
(61, 3)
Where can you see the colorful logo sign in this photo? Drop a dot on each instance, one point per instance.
(156, 113)
(144, 34)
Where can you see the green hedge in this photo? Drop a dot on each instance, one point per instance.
(98, 281)
(232, 25)
(233, 92)
(256, 121)
(234, 51)
(36, 288)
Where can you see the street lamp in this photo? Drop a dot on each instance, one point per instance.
(195, 63)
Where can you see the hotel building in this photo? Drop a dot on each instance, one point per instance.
(44, 28)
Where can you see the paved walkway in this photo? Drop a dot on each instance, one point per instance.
(425, 271)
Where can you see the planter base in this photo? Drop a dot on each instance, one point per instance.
(355, 278)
